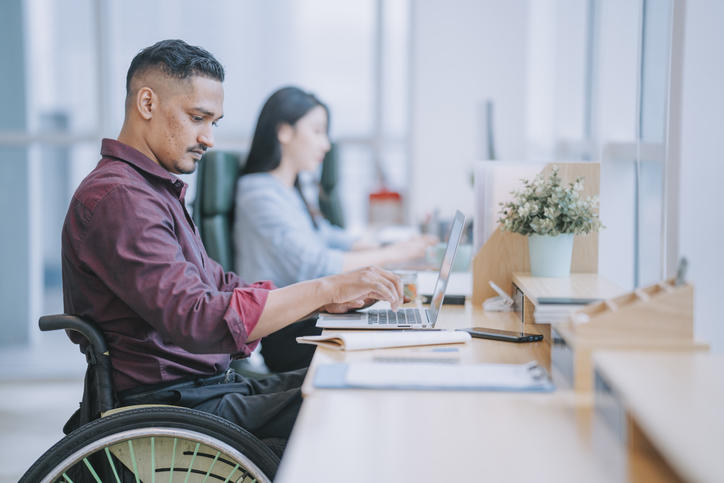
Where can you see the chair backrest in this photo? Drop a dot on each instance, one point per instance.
(213, 207)
(330, 202)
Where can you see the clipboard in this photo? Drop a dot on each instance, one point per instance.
(530, 377)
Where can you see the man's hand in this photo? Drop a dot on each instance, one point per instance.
(335, 293)
(347, 307)
(360, 288)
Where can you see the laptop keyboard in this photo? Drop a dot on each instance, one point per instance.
(390, 317)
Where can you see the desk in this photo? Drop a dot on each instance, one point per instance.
(398, 436)
(672, 410)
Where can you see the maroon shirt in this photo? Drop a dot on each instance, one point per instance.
(134, 264)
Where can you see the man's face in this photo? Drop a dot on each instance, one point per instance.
(181, 127)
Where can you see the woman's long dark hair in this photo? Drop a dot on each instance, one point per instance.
(285, 106)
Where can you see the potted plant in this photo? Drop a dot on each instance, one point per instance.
(550, 213)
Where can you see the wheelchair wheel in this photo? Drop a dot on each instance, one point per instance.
(156, 444)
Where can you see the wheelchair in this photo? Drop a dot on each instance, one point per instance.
(145, 443)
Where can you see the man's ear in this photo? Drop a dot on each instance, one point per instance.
(285, 132)
(146, 102)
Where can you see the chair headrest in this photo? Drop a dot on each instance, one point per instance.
(218, 172)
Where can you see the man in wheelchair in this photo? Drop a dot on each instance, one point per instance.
(134, 264)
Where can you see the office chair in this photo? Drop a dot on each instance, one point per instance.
(330, 202)
(213, 207)
(213, 214)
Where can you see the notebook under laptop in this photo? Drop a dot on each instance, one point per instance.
(404, 318)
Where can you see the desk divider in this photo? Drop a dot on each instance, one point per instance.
(505, 252)
(656, 317)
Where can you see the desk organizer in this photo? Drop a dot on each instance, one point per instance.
(661, 310)
(657, 317)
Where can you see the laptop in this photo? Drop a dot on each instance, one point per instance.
(410, 318)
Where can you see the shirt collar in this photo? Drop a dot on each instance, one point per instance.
(118, 150)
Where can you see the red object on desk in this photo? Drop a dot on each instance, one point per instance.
(386, 207)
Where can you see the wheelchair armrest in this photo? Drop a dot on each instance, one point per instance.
(70, 322)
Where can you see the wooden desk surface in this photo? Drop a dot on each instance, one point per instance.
(405, 436)
(677, 399)
(398, 436)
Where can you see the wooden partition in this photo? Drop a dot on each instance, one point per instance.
(661, 310)
(659, 317)
(505, 252)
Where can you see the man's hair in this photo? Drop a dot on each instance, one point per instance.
(177, 59)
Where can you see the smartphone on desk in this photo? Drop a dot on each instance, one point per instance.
(505, 335)
(447, 299)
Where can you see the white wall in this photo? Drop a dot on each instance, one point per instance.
(701, 223)
(461, 57)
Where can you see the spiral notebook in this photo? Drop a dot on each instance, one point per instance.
(358, 340)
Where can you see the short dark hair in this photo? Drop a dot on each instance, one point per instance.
(285, 106)
(177, 59)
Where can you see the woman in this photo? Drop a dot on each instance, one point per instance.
(277, 237)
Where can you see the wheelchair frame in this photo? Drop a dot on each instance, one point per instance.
(145, 443)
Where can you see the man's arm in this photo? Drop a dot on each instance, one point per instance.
(136, 254)
(345, 290)
(131, 246)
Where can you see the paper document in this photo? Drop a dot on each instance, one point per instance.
(430, 375)
(552, 313)
(370, 339)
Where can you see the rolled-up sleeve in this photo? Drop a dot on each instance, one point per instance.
(132, 229)
(248, 302)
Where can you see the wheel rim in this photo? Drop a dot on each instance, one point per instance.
(194, 457)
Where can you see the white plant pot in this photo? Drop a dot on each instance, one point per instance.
(550, 256)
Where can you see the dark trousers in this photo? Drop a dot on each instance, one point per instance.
(266, 407)
(281, 351)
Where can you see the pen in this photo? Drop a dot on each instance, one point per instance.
(681, 272)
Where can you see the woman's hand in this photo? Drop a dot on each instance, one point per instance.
(415, 247)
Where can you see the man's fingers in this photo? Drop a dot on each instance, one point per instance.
(345, 306)
(388, 291)
(370, 283)
(391, 280)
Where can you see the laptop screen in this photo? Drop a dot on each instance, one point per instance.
(453, 239)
